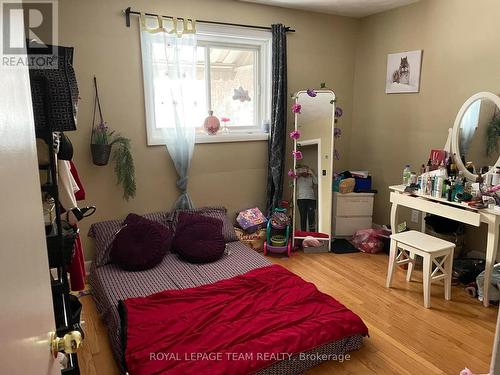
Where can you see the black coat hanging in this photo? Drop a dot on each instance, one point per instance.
(62, 90)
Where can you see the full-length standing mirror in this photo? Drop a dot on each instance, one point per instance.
(313, 162)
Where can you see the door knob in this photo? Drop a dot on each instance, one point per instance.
(67, 344)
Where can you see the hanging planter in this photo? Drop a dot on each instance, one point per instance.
(102, 140)
(100, 146)
(100, 154)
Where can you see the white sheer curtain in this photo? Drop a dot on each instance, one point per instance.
(169, 68)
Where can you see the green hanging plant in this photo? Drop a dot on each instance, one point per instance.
(102, 140)
(124, 166)
(492, 134)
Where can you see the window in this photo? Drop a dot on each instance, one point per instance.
(232, 78)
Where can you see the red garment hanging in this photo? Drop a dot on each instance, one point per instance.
(80, 194)
(77, 267)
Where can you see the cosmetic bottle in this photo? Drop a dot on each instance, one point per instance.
(413, 178)
(459, 185)
(446, 187)
(439, 187)
(449, 195)
(428, 166)
(428, 186)
(406, 175)
(453, 167)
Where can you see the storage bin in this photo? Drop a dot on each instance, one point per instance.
(351, 212)
(363, 184)
(355, 204)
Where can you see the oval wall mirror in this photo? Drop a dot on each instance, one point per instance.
(475, 136)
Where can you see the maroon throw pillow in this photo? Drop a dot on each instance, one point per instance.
(138, 246)
(216, 212)
(166, 232)
(199, 239)
(104, 233)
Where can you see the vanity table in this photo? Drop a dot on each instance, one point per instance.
(452, 210)
(466, 144)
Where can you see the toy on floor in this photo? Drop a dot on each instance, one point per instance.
(278, 238)
(310, 241)
(466, 371)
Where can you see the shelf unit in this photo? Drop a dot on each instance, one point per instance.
(59, 250)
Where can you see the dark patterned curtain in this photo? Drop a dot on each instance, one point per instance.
(277, 130)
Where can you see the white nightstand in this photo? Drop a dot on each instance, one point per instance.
(351, 212)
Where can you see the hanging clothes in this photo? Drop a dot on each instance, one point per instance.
(55, 88)
(80, 194)
(77, 267)
(67, 189)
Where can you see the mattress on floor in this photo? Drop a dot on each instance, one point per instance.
(110, 284)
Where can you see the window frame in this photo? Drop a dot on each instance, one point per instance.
(222, 36)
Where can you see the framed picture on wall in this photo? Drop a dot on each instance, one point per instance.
(403, 72)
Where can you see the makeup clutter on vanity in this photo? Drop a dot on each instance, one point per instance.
(440, 179)
(467, 170)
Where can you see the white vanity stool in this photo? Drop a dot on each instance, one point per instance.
(434, 251)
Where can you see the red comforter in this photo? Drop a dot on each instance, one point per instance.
(234, 326)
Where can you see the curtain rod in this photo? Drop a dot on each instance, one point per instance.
(129, 12)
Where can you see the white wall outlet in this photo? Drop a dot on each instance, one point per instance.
(415, 216)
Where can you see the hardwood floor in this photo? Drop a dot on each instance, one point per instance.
(405, 338)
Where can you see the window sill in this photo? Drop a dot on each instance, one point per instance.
(231, 137)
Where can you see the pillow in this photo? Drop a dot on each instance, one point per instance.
(198, 239)
(167, 234)
(104, 233)
(138, 246)
(212, 212)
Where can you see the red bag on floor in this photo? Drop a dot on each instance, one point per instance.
(368, 240)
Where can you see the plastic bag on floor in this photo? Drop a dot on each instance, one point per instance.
(369, 240)
(495, 281)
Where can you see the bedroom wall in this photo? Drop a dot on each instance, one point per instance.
(232, 174)
(459, 39)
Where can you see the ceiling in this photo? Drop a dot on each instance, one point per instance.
(350, 8)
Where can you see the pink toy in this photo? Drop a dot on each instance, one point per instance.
(466, 371)
(311, 242)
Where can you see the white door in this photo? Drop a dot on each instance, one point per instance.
(26, 313)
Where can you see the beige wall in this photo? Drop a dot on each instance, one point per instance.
(232, 174)
(460, 40)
